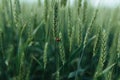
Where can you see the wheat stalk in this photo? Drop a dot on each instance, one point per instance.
(45, 55)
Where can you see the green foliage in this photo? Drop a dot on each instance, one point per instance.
(58, 41)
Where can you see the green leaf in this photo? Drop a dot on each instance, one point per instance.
(107, 69)
(37, 28)
(73, 74)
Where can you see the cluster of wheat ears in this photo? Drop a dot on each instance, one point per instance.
(59, 41)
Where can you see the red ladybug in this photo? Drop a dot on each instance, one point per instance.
(58, 39)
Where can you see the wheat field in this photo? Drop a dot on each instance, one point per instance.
(59, 41)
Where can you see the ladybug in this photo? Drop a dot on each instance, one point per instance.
(58, 39)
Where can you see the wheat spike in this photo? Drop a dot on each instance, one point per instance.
(61, 47)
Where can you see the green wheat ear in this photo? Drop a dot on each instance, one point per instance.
(103, 54)
(95, 45)
(63, 3)
(45, 55)
(18, 7)
(113, 58)
(72, 38)
(61, 48)
(118, 47)
(17, 11)
(46, 10)
(79, 6)
(84, 12)
(97, 42)
(69, 28)
(55, 20)
(79, 36)
(39, 3)
(118, 52)
(103, 48)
